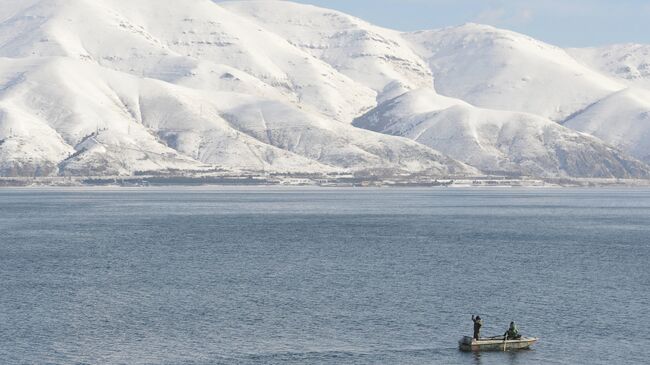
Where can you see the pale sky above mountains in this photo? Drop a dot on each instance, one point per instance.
(567, 23)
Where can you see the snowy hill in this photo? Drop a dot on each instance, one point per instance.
(194, 42)
(628, 63)
(374, 56)
(120, 124)
(113, 87)
(499, 69)
(498, 141)
(73, 68)
(622, 120)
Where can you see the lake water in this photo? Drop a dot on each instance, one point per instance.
(320, 276)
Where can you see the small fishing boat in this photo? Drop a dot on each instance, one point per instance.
(499, 343)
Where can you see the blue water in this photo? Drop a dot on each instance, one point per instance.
(317, 276)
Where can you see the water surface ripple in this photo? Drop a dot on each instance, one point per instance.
(320, 276)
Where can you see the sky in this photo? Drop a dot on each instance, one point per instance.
(567, 23)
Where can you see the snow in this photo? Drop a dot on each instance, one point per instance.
(622, 119)
(121, 124)
(628, 63)
(498, 141)
(499, 69)
(190, 38)
(138, 86)
(368, 54)
(113, 87)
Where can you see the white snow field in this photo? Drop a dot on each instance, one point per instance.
(114, 87)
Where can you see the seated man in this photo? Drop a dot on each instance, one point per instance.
(513, 332)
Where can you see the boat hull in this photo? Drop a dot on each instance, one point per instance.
(494, 344)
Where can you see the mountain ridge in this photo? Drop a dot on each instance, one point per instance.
(108, 87)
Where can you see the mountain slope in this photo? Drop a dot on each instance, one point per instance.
(374, 56)
(499, 69)
(628, 63)
(113, 87)
(183, 40)
(622, 120)
(110, 123)
(498, 141)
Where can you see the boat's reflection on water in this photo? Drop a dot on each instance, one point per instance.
(507, 357)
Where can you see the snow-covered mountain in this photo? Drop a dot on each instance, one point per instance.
(497, 141)
(500, 69)
(116, 123)
(194, 42)
(622, 119)
(113, 87)
(117, 87)
(628, 63)
(374, 56)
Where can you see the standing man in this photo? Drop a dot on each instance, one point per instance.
(478, 323)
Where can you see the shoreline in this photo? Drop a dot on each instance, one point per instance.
(348, 181)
